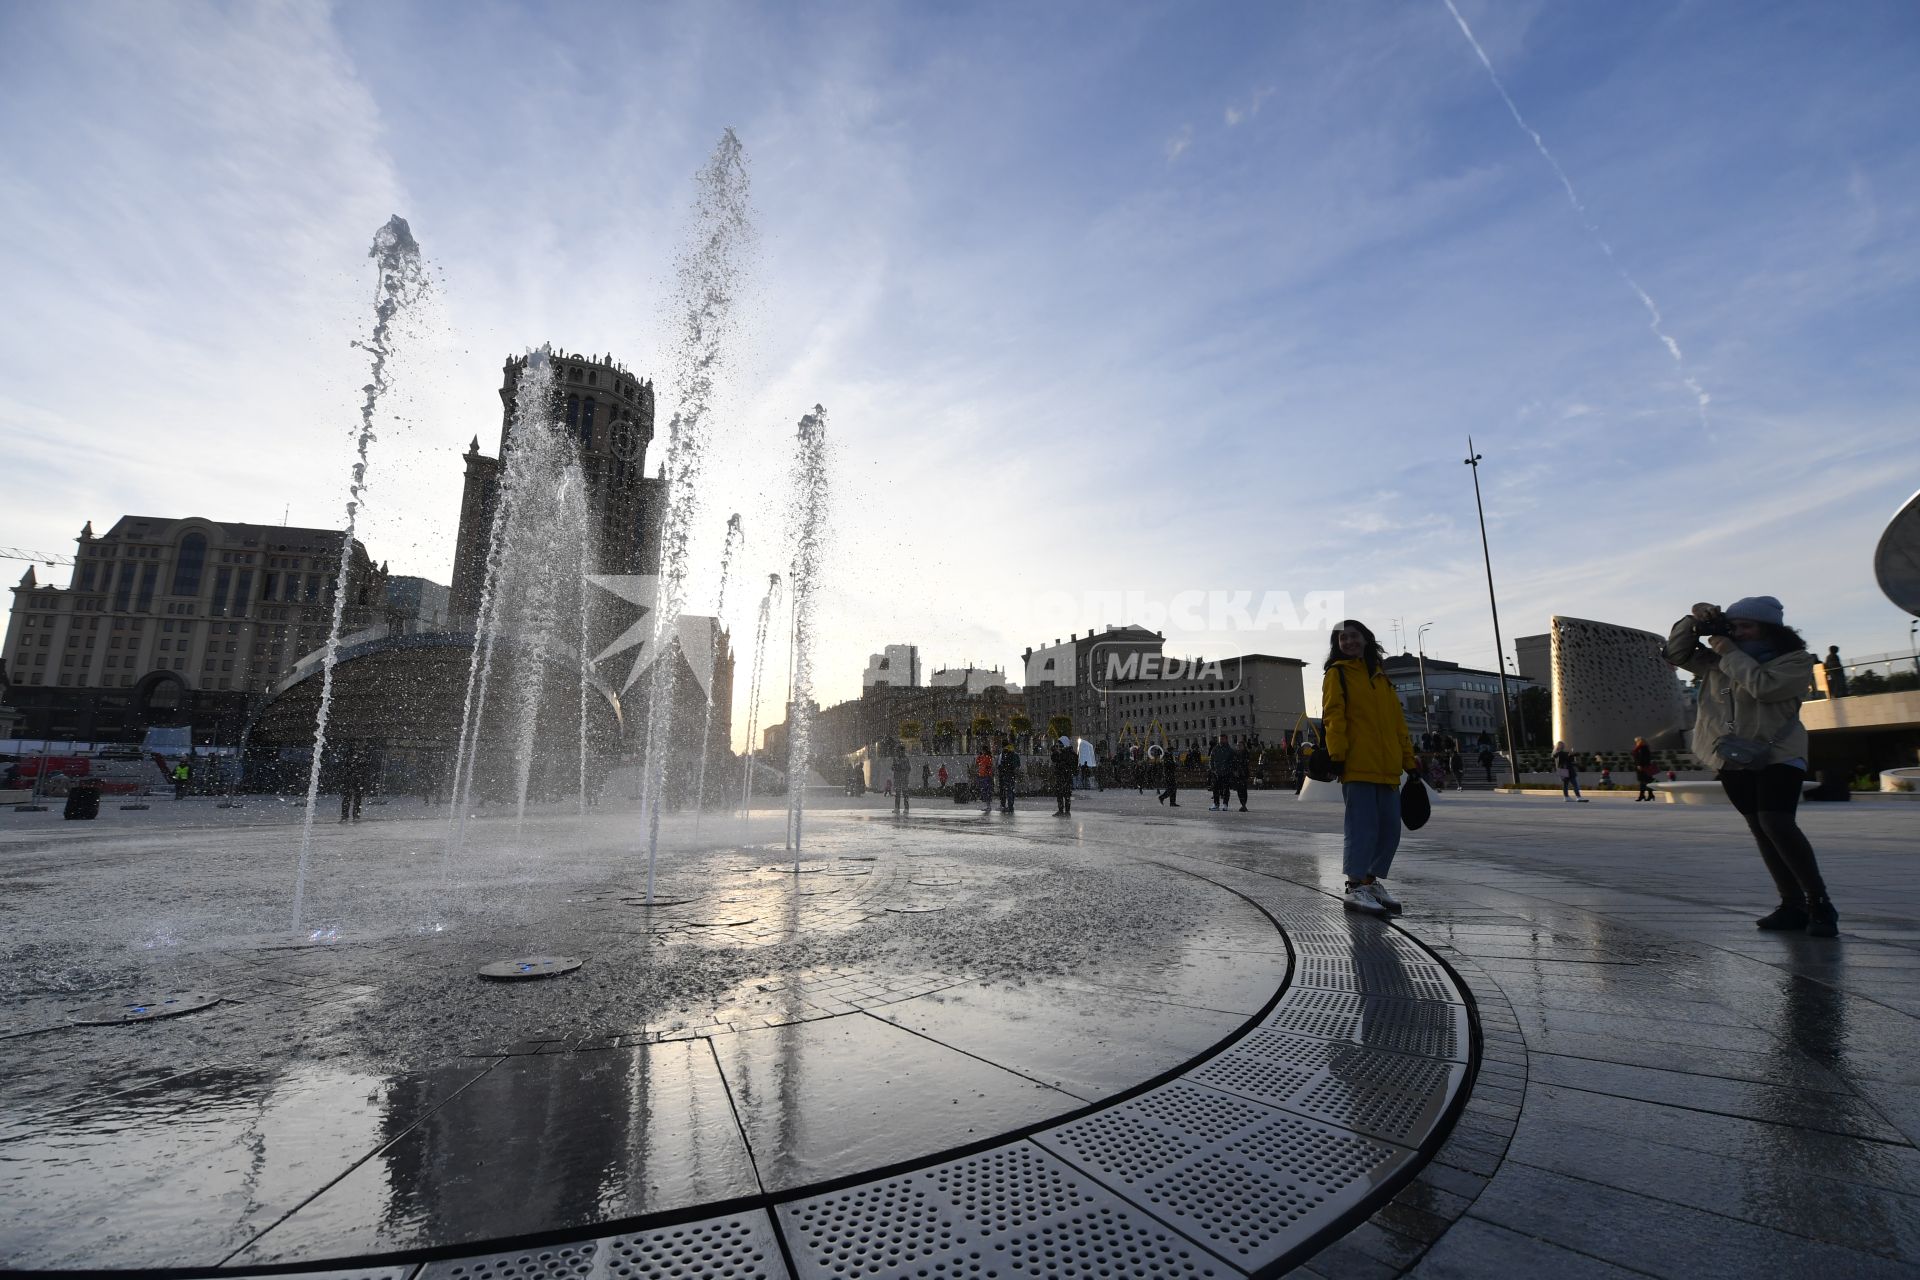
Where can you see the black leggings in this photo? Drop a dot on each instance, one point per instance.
(1767, 799)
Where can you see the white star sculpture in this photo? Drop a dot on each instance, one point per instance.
(695, 634)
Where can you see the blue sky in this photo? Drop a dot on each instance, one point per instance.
(1098, 297)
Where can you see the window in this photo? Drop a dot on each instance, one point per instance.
(86, 574)
(187, 564)
(222, 582)
(243, 592)
(123, 589)
(270, 586)
(149, 578)
(586, 423)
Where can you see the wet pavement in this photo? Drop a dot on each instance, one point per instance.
(1660, 1089)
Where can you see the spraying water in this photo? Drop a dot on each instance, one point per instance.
(807, 519)
(727, 551)
(1700, 397)
(401, 283)
(709, 275)
(753, 697)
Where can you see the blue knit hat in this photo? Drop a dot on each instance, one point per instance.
(1757, 609)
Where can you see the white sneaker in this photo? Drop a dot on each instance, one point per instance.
(1360, 898)
(1385, 898)
(1213, 808)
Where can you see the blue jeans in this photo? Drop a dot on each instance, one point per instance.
(1373, 828)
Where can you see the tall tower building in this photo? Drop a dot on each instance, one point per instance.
(608, 412)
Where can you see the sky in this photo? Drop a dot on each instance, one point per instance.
(1107, 304)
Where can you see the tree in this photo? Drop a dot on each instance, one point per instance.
(910, 730)
(982, 726)
(1867, 682)
(1020, 723)
(1059, 726)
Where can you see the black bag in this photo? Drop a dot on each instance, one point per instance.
(1320, 765)
(1415, 805)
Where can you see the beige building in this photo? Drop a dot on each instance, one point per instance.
(176, 621)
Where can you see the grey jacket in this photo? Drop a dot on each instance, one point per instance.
(1762, 699)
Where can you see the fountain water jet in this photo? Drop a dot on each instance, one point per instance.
(753, 698)
(402, 281)
(807, 519)
(709, 276)
(727, 551)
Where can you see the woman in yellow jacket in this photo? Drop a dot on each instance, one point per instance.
(1366, 735)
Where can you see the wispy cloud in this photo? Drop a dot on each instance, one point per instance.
(1177, 145)
(1241, 111)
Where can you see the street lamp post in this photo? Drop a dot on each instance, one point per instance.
(1426, 703)
(1499, 648)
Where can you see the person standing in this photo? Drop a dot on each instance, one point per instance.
(1066, 763)
(902, 779)
(180, 777)
(1836, 672)
(1368, 743)
(1486, 762)
(1007, 774)
(1567, 765)
(943, 777)
(983, 777)
(1220, 773)
(1643, 769)
(1754, 670)
(926, 776)
(1242, 769)
(1456, 766)
(1169, 792)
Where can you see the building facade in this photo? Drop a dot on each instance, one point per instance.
(898, 665)
(1069, 679)
(608, 412)
(1462, 703)
(177, 622)
(417, 606)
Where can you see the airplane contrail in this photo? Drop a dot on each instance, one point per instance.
(1700, 397)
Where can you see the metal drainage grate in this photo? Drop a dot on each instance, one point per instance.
(1374, 976)
(1427, 1028)
(740, 1248)
(1247, 1072)
(114, 1012)
(1248, 1181)
(1015, 1211)
(529, 967)
(562, 1262)
(1389, 1095)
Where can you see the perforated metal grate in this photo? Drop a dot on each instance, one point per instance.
(1377, 976)
(740, 1248)
(1255, 1075)
(1258, 1184)
(1015, 1211)
(561, 1262)
(362, 1273)
(1389, 1095)
(1426, 1028)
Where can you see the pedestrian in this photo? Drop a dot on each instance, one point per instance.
(926, 776)
(983, 777)
(1242, 767)
(180, 777)
(1456, 766)
(1169, 793)
(902, 778)
(1643, 769)
(353, 783)
(1568, 767)
(1486, 762)
(943, 777)
(1136, 765)
(1220, 773)
(1836, 672)
(1007, 773)
(1367, 741)
(1753, 673)
(1066, 762)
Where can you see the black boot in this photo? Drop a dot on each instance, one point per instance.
(1822, 920)
(1785, 917)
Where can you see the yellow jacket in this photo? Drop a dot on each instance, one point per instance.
(1366, 731)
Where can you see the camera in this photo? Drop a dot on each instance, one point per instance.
(1717, 625)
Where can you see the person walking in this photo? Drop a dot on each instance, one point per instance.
(1643, 769)
(1836, 672)
(983, 777)
(1066, 762)
(1220, 773)
(1754, 671)
(1367, 741)
(943, 777)
(1568, 767)
(926, 776)
(1456, 766)
(1242, 769)
(1169, 793)
(1486, 762)
(901, 779)
(1008, 772)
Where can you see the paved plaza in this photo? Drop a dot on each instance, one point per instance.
(1136, 1041)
